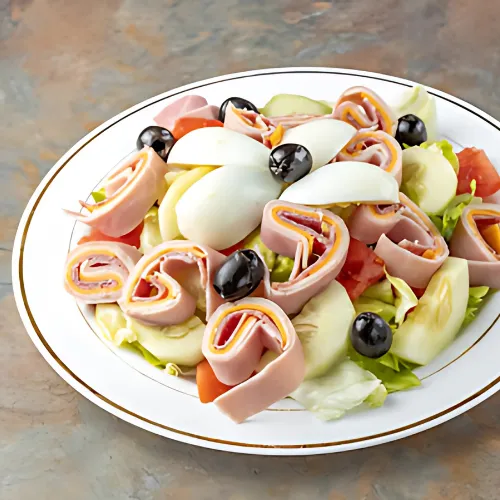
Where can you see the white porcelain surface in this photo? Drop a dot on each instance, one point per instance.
(125, 385)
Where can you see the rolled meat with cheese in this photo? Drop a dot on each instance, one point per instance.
(365, 110)
(131, 190)
(318, 241)
(413, 249)
(369, 222)
(375, 147)
(477, 239)
(170, 282)
(247, 122)
(294, 120)
(235, 338)
(96, 272)
(189, 105)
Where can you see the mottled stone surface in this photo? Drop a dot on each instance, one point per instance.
(68, 65)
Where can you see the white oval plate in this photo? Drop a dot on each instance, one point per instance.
(125, 385)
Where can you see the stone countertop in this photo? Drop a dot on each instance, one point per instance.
(66, 66)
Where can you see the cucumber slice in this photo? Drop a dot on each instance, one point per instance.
(323, 329)
(428, 179)
(437, 319)
(178, 344)
(288, 104)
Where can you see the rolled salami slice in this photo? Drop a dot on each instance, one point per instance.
(96, 272)
(170, 282)
(413, 249)
(365, 110)
(131, 190)
(375, 147)
(235, 338)
(477, 239)
(318, 241)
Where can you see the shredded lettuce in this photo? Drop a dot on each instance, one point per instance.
(446, 149)
(395, 374)
(150, 235)
(476, 296)
(447, 222)
(282, 269)
(405, 297)
(380, 291)
(254, 242)
(343, 388)
(367, 304)
(99, 195)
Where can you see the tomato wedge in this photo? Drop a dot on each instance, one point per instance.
(209, 386)
(228, 251)
(474, 164)
(133, 238)
(188, 124)
(361, 270)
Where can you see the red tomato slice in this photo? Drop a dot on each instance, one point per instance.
(418, 292)
(474, 164)
(228, 251)
(188, 124)
(133, 238)
(209, 386)
(361, 270)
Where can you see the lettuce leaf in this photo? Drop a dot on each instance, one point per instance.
(447, 222)
(405, 297)
(446, 149)
(344, 387)
(99, 195)
(380, 291)
(150, 235)
(367, 304)
(282, 269)
(254, 242)
(476, 296)
(395, 374)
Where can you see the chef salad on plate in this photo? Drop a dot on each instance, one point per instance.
(307, 249)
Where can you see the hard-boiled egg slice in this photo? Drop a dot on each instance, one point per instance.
(344, 182)
(226, 205)
(324, 138)
(218, 146)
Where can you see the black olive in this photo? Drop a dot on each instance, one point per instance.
(159, 138)
(411, 131)
(237, 102)
(240, 275)
(371, 336)
(290, 162)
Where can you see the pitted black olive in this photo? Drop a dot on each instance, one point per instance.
(411, 131)
(290, 162)
(240, 275)
(371, 336)
(159, 138)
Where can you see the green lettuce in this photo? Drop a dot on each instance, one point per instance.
(343, 388)
(405, 297)
(447, 222)
(254, 242)
(99, 195)
(476, 296)
(282, 269)
(395, 374)
(380, 291)
(366, 304)
(150, 235)
(446, 149)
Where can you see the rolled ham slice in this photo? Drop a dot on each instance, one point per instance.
(209, 112)
(235, 338)
(181, 107)
(131, 189)
(170, 282)
(294, 120)
(248, 123)
(375, 147)
(96, 272)
(468, 243)
(365, 110)
(318, 241)
(369, 222)
(413, 249)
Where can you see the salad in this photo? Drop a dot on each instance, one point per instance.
(305, 250)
